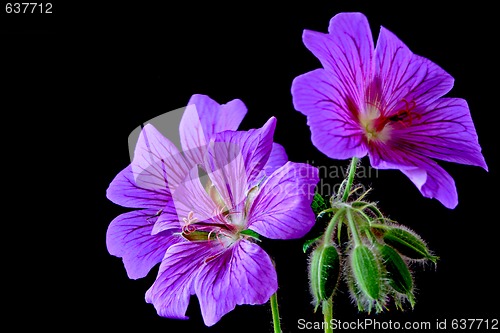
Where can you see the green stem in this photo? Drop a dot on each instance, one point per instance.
(327, 307)
(352, 226)
(275, 312)
(331, 226)
(350, 178)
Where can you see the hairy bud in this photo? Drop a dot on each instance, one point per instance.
(324, 272)
(368, 278)
(399, 275)
(408, 244)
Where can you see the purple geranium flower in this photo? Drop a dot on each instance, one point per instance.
(385, 102)
(197, 205)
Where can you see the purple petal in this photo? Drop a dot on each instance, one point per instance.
(193, 140)
(277, 159)
(129, 237)
(346, 52)
(254, 146)
(157, 160)
(124, 191)
(242, 275)
(438, 184)
(173, 287)
(282, 208)
(405, 77)
(225, 165)
(203, 118)
(432, 180)
(444, 131)
(191, 196)
(332, 117)
(167, 219)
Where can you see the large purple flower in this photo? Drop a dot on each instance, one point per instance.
(385, 102)
(197, 206)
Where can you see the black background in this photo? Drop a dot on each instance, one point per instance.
(77, 82)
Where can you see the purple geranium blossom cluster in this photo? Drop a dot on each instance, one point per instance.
(385, 102)
(196, 206)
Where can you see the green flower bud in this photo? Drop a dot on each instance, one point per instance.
(368, 278)
(397, 272)
(408, 244)
(366, 271)
(324, 272)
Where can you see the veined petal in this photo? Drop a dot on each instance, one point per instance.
(225, 165)
(331, 115)
(438, 184)
(215, 117)
(432, 180)
(129, 237)
(405, 77)
(252, 147)
(445, 131)
(282, 208)
(191, 196)
(157, 162)
(203, 118)
(277, 159)
(124, 191)
(167, 219)
(174, 284)
(193, 139)
(244, 274)
(346, 52)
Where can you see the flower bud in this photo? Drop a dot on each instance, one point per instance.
(324, 272)
(399, 275)
(408, 244)
(366, 272)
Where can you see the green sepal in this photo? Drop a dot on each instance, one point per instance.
(309, 243)
(408, 244)
(318, 204)
(251, 233)
(199, 236)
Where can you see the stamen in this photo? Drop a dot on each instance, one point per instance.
(187, 228)
(406, 116)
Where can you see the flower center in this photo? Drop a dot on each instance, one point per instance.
(378, 126)
(226, 223)
(218, 229)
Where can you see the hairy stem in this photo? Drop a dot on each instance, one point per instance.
(352, 226)
(275, 312)
(350, 178)
(331, 226)
(327, 308)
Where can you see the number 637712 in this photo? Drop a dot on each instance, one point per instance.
(28, 8)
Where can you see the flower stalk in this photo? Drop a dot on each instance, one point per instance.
(327, 307)
(350, 179)
(275, 313)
